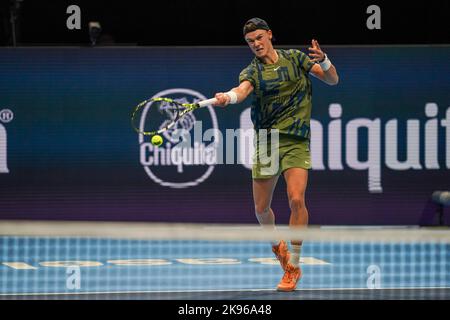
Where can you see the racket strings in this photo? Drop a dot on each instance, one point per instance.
(161, 114)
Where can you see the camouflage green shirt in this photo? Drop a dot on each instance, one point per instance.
(282, 96)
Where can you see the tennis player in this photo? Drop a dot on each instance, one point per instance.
(282, 92)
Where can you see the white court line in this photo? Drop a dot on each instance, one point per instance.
(213, 290)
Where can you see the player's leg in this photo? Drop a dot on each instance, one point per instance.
(296, 181)
(295, 165)
(265, 174)
(262, 197)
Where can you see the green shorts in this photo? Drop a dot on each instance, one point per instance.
(289, 152)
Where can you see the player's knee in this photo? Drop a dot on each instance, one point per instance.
(261, 210)
(297, 204)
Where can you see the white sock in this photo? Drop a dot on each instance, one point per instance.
(295, 254)
(267, 220)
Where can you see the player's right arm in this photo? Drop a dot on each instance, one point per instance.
(242, 92)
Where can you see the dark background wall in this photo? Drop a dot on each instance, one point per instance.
(200, 22)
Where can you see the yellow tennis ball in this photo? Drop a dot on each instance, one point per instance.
(157, 140)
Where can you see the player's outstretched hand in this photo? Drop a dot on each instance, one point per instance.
(316, 54)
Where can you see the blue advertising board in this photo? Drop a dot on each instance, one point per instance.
(380, 138)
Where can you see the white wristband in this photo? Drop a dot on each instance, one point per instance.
(233, 96)
(325, 64)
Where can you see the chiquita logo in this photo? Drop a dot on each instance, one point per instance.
(188, 155)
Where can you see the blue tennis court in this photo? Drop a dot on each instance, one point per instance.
(67, 268)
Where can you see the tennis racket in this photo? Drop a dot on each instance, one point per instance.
(162, 114)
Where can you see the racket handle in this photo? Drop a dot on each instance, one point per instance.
(207, 102)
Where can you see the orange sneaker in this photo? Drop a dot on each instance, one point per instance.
(290, 278)
(282, 253)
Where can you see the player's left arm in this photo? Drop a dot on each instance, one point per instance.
(323, 69)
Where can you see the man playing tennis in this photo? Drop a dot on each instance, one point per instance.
(279, 81)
